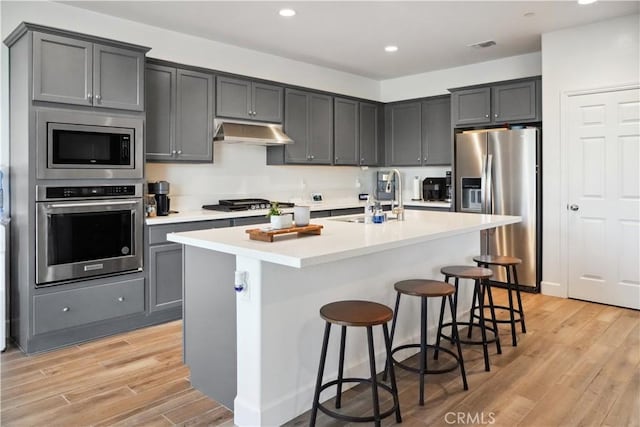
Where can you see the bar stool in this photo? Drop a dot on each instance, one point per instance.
(426, 289)
(480, 277)
(509, 263)
(358, 314)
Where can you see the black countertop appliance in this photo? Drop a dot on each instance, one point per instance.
(434, 189)
(160, 190)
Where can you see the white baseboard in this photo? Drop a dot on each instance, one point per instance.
(553, 289)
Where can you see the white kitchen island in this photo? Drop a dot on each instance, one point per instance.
(257, 351)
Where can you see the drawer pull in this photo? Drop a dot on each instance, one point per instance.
(121, 299)
(65, 309)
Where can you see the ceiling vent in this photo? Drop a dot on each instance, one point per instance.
(483, 44)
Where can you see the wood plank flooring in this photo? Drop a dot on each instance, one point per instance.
(578, 364)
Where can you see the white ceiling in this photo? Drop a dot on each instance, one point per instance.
(350, 36)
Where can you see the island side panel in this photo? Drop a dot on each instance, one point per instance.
(282, 330)
(209, 322)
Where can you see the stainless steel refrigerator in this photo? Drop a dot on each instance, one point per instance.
(497, 172)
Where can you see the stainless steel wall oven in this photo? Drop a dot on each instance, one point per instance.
(73, 145)
(87, 231)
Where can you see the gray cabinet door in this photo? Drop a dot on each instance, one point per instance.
(320, 145)
(471, 106)
(345, 122)
(514, 102)
(165, 276)
(436, 132)
(62, 69)
(267, 103)
(368, 134)
(233, 98)
(194, 116)
(404, 132)
(118, 78)
(160, 91)
(296, 125)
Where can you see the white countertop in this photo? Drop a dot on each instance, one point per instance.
(341, 240)
(206, 215)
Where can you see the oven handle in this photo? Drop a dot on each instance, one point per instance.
(85, 205)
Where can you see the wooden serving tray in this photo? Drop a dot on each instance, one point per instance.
(267, 236)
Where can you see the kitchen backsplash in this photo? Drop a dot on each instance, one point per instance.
(240, 171)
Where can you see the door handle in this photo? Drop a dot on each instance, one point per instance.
(573, 207)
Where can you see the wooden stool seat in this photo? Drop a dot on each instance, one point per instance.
(497, 260)
(356, 313)
(467, 272)
(424, 288)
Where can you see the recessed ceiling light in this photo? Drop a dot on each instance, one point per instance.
(483, 44)
(287, 12)
(391, 48)
(586, 1)
(529, 14)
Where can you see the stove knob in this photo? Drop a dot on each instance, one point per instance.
(263, 205)
(252, 207)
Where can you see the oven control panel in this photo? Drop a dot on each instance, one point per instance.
(45, 193)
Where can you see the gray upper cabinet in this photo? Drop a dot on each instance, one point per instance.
(436, 132)
(346, 129)
(160, 92)
(194, 116)
(404, 134)
(309, 123)
(368, 134)
(509, 102)
(471, 106)
(247, 100)
(514, 102)
(73, 71)
(179, 115)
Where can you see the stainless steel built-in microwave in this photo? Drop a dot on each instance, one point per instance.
(72, 145)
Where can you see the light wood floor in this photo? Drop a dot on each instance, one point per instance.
(578, 364)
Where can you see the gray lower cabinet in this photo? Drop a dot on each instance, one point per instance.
(404, 134)
(436, 132)
(179, 115)
(500, 103)
(164, 262)
(248, 100)
(75, 71)
(346, 131)
(250, 220)
(309, 122)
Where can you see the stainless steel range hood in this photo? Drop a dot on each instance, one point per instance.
(238, 132)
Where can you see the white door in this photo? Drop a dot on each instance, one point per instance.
(604, 197)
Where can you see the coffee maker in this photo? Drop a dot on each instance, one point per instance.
(385, 180)
(160, 190)
(434, 189)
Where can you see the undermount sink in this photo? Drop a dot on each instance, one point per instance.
(359, 219)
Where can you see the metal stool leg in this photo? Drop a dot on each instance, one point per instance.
(323, 357)
(494, 321)
(512, 316)
(392, 374)
(515, 279)
(435, 353)
(457, 339)
(389, 363)
(374, 382)
(480, 290)
(471, 315)
(441, 320)
(343, 338)
(423, 348)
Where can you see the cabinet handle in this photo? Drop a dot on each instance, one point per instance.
(312, 157)
(362, 159)
(89, 96)
(419, 158)
(425, 158)
(495, 115)
(179, 152)
(486, 116)
(98, 98)
(65, 309)
(337, 159)
(121, 299)
(173, 152)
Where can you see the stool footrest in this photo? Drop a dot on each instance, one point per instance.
(351, 418)
(498, 307)
(427, 371)
(467, 341)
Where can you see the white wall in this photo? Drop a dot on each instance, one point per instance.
(599, 55)
(437, 82)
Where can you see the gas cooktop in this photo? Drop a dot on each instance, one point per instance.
(232, 205)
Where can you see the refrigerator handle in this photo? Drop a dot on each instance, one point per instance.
(489, 183)
(483, 186)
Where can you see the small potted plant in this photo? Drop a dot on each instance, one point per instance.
(277, 218)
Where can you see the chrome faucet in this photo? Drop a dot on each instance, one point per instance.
(399, 209)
